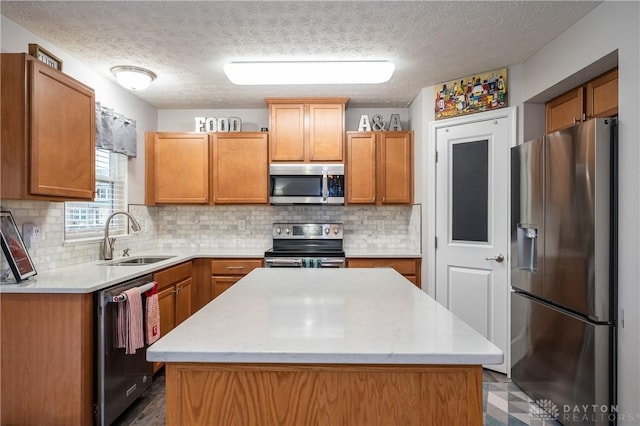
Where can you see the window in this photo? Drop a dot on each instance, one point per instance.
(85, 220)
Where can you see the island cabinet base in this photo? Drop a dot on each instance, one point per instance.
(320, 394)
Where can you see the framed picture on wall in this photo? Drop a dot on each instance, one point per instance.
(468, 95)
(14, 249)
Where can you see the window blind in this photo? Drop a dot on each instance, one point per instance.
(86, 220)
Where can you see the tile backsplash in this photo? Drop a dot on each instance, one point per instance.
(202, 227)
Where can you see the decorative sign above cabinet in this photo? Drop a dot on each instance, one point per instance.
(45, 56)
(222, 124)
(378, 124)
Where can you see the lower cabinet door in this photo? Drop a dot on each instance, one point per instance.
(220, 284)
(183, 300)
(167, 308)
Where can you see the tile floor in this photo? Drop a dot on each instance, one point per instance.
(504, 404)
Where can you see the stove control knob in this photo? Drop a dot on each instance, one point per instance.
(336, 230)
(278, 230)
(286, 231)
(326, 231)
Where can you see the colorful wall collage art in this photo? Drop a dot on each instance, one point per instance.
(468, 95)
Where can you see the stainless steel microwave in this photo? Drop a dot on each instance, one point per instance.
(306, 183)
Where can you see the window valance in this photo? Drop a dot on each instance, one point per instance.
(115, 132)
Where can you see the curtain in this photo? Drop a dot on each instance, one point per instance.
(115, 132)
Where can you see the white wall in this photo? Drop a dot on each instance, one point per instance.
(16, 39)
(610, 26)
(421, 113)
(254, 119)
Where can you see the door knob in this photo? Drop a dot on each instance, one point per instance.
(499, 258)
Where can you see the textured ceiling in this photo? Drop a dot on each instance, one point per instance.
(187, 42)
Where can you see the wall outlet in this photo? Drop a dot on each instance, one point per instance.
(30, 234)
(381, 225)
(241, 225)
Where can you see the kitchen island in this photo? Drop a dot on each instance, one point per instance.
(324, 347)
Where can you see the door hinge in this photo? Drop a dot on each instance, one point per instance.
(435, 242)
(436, 156)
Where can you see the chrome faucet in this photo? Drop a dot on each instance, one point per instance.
(107, 243)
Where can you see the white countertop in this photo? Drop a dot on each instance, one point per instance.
(347, 316)
(94, 276)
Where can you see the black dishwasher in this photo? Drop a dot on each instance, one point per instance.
(120, 378)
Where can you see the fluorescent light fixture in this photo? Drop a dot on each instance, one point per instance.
(133, 78)
(310, 72)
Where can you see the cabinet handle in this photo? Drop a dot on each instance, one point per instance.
(235, 267)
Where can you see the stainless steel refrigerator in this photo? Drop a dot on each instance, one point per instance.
(563, 272)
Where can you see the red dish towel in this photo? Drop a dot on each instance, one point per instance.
(130, 334)
(153, 315)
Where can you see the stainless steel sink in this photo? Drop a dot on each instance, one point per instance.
(137, 261)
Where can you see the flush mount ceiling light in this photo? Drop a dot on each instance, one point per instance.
(310, 72)
(133, 78)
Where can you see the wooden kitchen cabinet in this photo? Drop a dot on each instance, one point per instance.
(306, 129)
(601, 95)
(177, 168)
(596, 98)
(240, 168)
(409, 267)
(565, 110)
(227, 272)
(47, 359)
(48, 132)
(379, 167)
(174, 298)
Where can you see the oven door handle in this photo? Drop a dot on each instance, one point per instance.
(333, 263)
(288, 262)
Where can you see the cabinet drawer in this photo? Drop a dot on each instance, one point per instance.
(403, 266)
(234, 266)
(173, 275)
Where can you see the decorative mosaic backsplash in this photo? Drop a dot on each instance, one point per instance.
(179, 227)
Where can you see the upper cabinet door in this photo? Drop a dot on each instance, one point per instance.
(326, 132)
(602, 95)
(62, 134)
(565, 110)
(306, 129)
(396, 168)
(177, 168)
(361, 168)
(48, 133)
(240, 168)
(287, 132)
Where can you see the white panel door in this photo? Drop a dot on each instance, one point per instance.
(472, 226)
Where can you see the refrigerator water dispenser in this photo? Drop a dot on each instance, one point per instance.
(527, 241)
